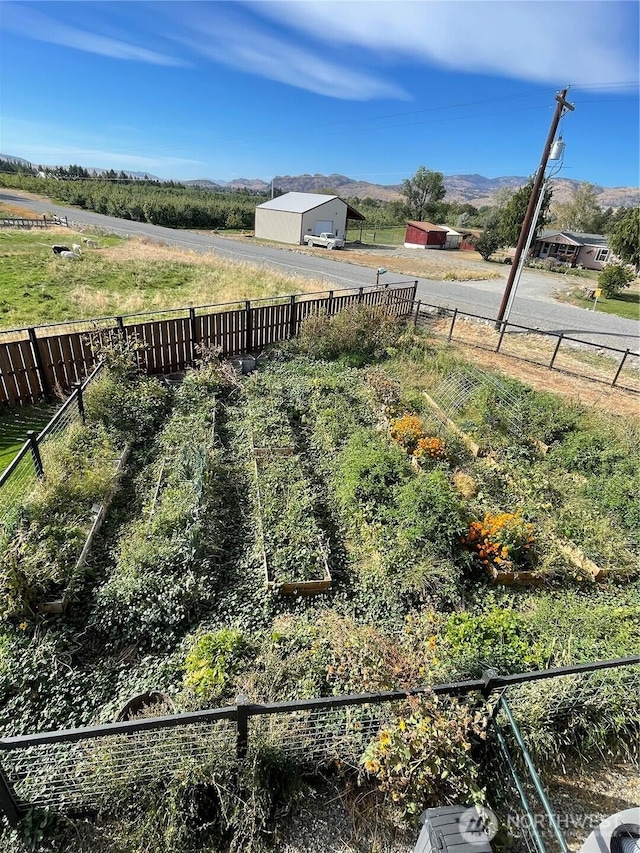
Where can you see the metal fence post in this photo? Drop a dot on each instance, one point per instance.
(502, 333)
(77, 387)
(8, 801)
(360, 295)
(293, 316)
(192, 328)
(242, 737)
(619, 370)
(417, 314)
(44, 384)
(32, 438)
(555, 352)
(330, 303)
(533, 773)
(248, 313)
(453, 322)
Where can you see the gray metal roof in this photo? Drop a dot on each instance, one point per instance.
(298, 202)
(576, 236)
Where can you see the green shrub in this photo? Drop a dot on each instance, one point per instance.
(428, 515)
(614, 278)
(424, 757)
(358, 334)
(367, 472)
(130, 409)
(41, 548)
(548, 417)
(292, 535)
(214, 660)
(498, 639)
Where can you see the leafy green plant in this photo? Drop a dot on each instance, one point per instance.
(292, 536)
(129, 408)
(496, 639)
(424, 757)
(213, 661)
(367, 471)
(614, 278)
(41, 549)
(428, 515)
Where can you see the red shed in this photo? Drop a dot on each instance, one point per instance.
(424, 235)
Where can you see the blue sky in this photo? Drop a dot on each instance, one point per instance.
(370, 89)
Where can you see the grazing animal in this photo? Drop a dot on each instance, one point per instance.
(69, 255)
(91, 243)
(76, 248)
(58, 250)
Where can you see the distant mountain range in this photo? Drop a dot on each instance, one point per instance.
(474, 189)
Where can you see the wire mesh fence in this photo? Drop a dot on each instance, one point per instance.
(82, 775)
(17, 482)
(553, 350)
(320, 736)
(456, 394)
(85, 768)
(22, 475)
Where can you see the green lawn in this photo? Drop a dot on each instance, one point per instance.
(14, 425)
(623, 305)
(120, 277)
(390, 236)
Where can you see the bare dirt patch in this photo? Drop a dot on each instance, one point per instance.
(428, 264)
(583, 796)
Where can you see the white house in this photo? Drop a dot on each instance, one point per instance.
(289, 217)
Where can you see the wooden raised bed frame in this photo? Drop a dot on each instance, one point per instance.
(59, 605)
(304, 588)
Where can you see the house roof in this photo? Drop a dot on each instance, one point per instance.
(426, 226)
(302, 202)
(575, 237)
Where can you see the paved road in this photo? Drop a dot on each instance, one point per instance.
(534, 305)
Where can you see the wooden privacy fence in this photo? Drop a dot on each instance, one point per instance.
(35, 362)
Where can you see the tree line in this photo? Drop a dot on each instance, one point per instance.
(169, 204)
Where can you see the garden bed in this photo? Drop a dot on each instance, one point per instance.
(293, 555)
(59, 605)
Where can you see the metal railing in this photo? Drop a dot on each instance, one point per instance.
(27, 467)
(426, 315)
(73, 770)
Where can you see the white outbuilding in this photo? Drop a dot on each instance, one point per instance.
(288, 218)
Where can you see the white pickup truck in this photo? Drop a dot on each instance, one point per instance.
(326, 239)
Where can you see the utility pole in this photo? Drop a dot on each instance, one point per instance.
(561, 107)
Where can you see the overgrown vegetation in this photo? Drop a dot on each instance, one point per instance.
(410, 523)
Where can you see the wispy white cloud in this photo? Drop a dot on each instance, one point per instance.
(563, 41)
(82, 146)
(54, 155)
(241, 42)
(26, 21)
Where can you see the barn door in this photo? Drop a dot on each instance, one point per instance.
(323, 225)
